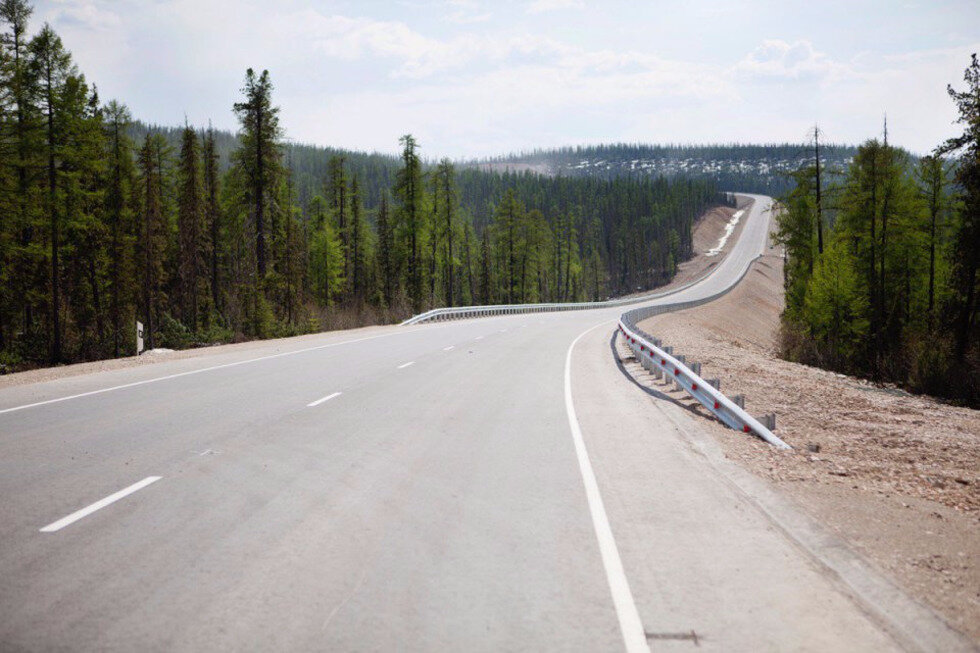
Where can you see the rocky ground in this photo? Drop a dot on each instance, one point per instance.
(895, 475)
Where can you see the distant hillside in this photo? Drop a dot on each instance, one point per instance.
(749, 168)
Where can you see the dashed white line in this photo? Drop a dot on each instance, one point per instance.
(449, 348)
(323, 399)
(404, 365)
(98, 505)
(478, 338)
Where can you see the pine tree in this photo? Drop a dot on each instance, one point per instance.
(509, 218)
(259, 159)
(24, 133)
(212, 215)
(119, 193)
(966, 240)
(81, 173)
(337, 192)
(385, 254)
(836, 307)
(153, 230)
(189, 228)
(933, 183)
(54, 67)
(411, 199)
(357, 242)
(486, 271)
(445, 205)
(326, 257)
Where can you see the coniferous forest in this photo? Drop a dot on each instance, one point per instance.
(882, 264)
(208, 237)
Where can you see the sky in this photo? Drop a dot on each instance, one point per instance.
(475, 78)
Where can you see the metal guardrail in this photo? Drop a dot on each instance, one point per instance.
(462, 312)
(649, 352)
(654, 357)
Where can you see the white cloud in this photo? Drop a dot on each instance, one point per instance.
(778, 60)
(541, 6)
(87, 14)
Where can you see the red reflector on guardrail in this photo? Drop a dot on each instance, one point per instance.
(716, 405)
(746, 429)
(676, 371)
(694, 386)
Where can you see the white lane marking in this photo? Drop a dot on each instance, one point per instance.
(503, 331)
(404, 365)
(323, 399)
(629, 619)
(204, 369)
(98, 505)
(478, 338)
(449, 348)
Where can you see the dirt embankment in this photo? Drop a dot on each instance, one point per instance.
(896, 475)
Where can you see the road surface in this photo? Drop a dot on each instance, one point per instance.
(437, 487)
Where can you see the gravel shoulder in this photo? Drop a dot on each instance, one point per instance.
(153, 357)
(897, 476)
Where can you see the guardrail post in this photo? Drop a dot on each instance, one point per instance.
(714, 383)
(769, 421)
(677, 382)
(739, 400)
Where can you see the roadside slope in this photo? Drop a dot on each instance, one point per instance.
(894, 474)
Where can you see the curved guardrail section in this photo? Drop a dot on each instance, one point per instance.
(461, 312)
(649, 351)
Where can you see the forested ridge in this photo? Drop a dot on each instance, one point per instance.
(882, 263)
(210, 237)
(762, 169)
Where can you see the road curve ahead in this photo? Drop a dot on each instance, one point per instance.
(472, 485)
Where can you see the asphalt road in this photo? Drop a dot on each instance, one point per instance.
(441, 501)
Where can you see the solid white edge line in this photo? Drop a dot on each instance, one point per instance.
(478, 338)
(449, 348)
(323, 399)
(404, 365)
(98, 505)
(630, 625)
(203, 369)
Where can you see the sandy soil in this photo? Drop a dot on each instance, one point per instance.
(895, 475)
